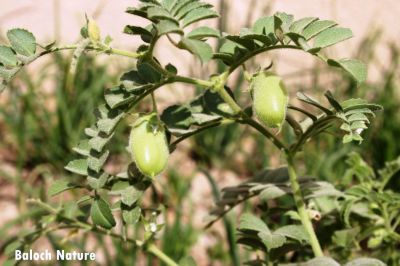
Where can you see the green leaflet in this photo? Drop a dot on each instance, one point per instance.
(22, 41)
(101, 215)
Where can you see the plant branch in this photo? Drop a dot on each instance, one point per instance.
(108, 50)
(104, 49)
(150, 248)
(219, 87)
(230, 101)
(301, 209)
(223, 121)
(154, 102)
(148, 92)
(194, 81)
(259, 51)
(253, 123)
(123, 53)
(153, 249)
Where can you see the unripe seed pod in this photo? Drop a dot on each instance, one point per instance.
(270, 99)
(148, 145)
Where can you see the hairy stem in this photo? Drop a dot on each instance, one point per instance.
(301, 208)
(108, 50)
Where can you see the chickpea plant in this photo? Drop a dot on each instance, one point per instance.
(155, 135)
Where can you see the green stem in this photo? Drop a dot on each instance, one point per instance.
(301, 209)
(260, 128)
(230, 101)
(224, 121)
(153, 249)
(108, 50)
(219, 87)
(259, 51)
(145, 94)
(199, 82)
(153, 100)
(123, 53)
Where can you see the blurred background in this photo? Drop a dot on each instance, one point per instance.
(42, 116)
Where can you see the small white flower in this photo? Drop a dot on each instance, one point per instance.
(153, 227)
(359, 131)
